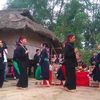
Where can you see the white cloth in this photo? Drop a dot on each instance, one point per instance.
(5, 52)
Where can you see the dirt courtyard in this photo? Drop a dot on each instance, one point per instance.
(34, 92)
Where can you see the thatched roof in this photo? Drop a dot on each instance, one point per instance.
(21, 19)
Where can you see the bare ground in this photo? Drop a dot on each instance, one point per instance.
(10, 92)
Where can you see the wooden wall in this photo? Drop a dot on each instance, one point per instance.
(33, 41)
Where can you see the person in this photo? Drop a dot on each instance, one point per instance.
(1, 65)
(60, 58)
(44, 62)
(81, 64)
(61, 74)
(5, 52)
(55, 67)
(15, 62)
(93, 59)
(96, 76)
(36, 60)
(22, 55)
(93, 63)
(70, 63)
(54, 59)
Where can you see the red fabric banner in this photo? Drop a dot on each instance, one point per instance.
(82, 79)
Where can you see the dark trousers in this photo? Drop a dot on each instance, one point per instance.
(1, 77)
(71, 78)
(23, 78)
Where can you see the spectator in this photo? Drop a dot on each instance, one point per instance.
(81, 64)
(93, 59)
(93, 63)
(36, 60)
(5, 52)
(60, 58)
(55, 67)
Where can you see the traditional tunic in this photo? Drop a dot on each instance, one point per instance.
(44, 62)
(96, 76)
(15, 63)
(70, 64)
(1, 67)
(22, 63)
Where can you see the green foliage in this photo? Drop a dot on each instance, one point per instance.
(73, 20)
(86, 55)
(18, 3)
(98, 38)
(93, 26)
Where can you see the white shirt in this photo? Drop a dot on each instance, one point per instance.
(5, 52)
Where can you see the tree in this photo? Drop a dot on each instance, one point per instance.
(93, 25)
(72, 20)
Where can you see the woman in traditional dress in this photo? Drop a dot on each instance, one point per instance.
(44, 62)
(96, 74)
(70, 63)
(15, 62)
(22, 55)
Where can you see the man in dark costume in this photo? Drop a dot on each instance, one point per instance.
(70, 63)
(22, 55)
(1, 65)
(36, 60)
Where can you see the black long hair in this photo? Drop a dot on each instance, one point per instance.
(46, 44)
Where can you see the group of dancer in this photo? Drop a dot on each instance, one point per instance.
(21, 59)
